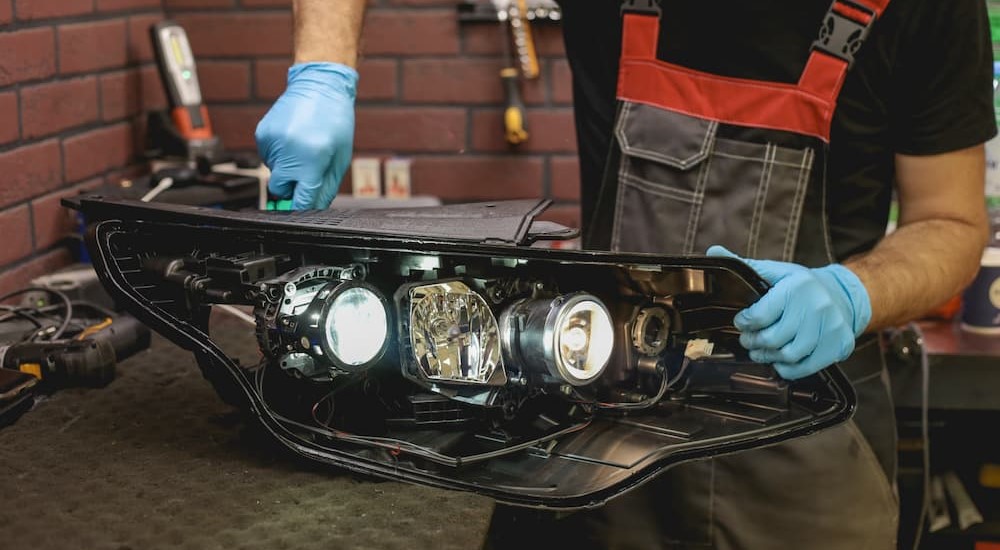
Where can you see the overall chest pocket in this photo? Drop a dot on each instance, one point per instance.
(682, 188)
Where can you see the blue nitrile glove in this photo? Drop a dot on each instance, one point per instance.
(807, 321)
(307, 137)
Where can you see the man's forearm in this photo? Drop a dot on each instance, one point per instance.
(936, 250)
(917, 268)
(328, 30)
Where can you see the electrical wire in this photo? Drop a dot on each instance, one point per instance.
(397, 446)
(665, 384)
(925, 384)
(238, 313)
(165, 183)
(67, 303)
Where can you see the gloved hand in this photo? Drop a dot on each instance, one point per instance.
(807, 321)
(307, 137)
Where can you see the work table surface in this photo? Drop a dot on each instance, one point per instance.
(156, 460)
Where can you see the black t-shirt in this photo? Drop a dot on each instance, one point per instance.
(921, 85)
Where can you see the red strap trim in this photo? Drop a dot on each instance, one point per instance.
(877, 6)
(728, 100)
(823, 76)
(641, 35)
(849, 12)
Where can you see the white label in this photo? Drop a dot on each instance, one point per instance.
(366, 178)
(397, 178)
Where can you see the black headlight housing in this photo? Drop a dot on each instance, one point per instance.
(505, 387)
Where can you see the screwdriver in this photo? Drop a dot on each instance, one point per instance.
(515, 121)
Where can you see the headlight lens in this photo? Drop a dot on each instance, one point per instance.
(454, 334)
(584, 338)
(570, 338)
(357, 326)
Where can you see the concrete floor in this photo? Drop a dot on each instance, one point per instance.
(156, 460)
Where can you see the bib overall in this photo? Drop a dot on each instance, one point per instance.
(699, 159)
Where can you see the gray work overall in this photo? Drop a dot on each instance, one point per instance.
(698, 160)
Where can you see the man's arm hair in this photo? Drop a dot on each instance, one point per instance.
(936, 250)
(328, 30)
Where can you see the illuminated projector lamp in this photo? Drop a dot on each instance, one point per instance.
(345, 322)
(569, 338)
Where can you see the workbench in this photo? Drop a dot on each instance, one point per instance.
(156, 460)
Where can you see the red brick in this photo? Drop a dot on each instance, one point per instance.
(235, 124)
(42, 9)
(57, 106)
(15, 226)
(151, 87)
(189, 4)
(238, 34)
(6, 12)
(53, 222)
(424, 32)
(568, 215)
(121, 5)
(140, 47)
(565, 178)
(26, 55)
(478, 178)
(429, 129)
(29, 171)
(270, 76)
(550, 130)
(87, 47)
(224, 80)
(378, 79)
(19, 276)
(129, 92)
(562, 82)
(468, 81)
(97, 151)
(9, 127)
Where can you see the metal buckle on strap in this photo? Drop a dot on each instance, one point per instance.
(842, 35)
(646, 7)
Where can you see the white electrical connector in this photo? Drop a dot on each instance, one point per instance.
(698, 348)
(165, 183)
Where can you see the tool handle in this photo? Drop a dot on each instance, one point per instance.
(514, 115)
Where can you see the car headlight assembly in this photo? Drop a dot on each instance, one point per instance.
(568, 339)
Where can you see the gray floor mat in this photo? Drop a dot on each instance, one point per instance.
(156, 460)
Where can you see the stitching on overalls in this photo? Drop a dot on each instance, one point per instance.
(674, 162)
(760, 200)
(827, 239)
(644, 184)
(872, 460)
(616, 221)
(695, 214)
(797, 203)
(742, 157)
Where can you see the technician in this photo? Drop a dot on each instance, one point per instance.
(777, 129)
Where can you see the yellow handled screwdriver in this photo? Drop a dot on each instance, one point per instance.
(514, 115)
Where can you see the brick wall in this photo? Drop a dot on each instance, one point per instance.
(429, 90)
(75, 76)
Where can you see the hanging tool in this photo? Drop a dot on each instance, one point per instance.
(523, 40)
(514, 115)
